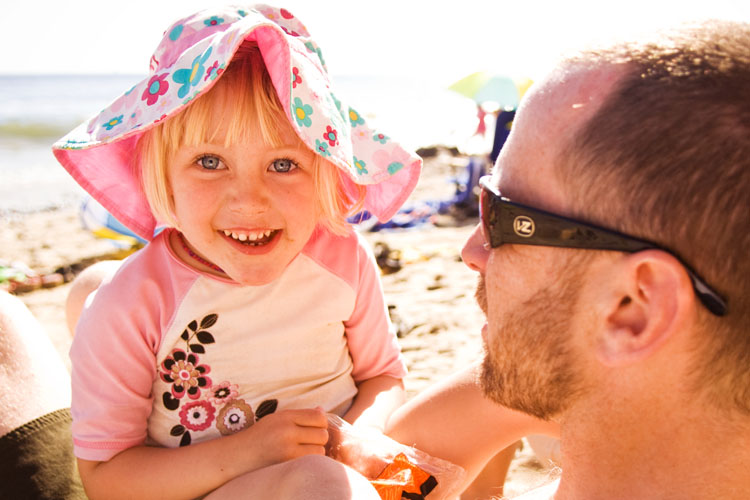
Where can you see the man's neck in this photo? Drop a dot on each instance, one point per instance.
(654, 453)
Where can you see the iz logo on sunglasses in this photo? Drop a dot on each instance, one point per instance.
(524, 226)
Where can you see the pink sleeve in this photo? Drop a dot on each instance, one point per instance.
(372, 339)
(113, 356)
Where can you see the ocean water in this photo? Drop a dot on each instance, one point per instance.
(37, 110)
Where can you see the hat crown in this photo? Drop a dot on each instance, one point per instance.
(186, 32)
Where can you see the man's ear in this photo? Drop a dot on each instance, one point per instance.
(651, 298)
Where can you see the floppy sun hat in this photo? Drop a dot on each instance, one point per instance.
(190, 58)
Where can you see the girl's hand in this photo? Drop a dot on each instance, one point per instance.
(288, 434)
(274, 438)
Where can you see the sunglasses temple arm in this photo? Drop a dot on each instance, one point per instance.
(710, 299)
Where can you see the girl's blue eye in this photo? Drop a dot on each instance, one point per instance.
(283, 165)
(209, 162)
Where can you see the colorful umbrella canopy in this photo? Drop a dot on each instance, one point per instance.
(485, 86)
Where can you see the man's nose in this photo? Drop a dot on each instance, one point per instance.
(475, 251)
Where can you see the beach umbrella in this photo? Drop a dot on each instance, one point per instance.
(487, 86)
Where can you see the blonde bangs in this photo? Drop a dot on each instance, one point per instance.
(246, 89)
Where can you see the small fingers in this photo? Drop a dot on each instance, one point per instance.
(312, 436)
(309, 418)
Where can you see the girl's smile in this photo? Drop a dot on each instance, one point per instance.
(253, 242)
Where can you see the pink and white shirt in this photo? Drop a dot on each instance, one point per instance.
(166, 355)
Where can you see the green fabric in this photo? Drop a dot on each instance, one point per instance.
(37, 462)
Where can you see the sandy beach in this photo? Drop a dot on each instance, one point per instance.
(431, 296)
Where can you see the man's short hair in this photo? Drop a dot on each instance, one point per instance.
(667, 158)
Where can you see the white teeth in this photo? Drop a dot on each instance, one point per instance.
(249, 236)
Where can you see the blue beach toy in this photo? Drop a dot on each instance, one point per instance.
(95, 218)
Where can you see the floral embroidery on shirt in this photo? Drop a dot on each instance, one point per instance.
(207, 404)
(266, 408)
(234, 416)
(182, 368)
(197, 332)
(197, 415)
(238, 415)
(221, 394)
(187, 376)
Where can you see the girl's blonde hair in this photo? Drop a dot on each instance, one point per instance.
(246, 86)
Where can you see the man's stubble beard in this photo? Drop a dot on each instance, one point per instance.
(529, 364)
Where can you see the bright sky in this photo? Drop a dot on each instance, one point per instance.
(438, 39)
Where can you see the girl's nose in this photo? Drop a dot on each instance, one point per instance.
(249, 194)
(476, 251)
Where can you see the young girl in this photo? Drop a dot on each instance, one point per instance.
(212, 355)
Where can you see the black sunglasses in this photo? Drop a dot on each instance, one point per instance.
(506, 222)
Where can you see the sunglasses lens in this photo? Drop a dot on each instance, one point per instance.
(483, 214)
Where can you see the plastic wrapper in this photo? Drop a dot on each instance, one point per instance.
(395, 470)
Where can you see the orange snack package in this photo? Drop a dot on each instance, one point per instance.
(397, 471)
(403, 479)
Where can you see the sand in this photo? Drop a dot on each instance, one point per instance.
(431, 296)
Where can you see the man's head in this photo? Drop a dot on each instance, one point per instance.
(652, 140)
